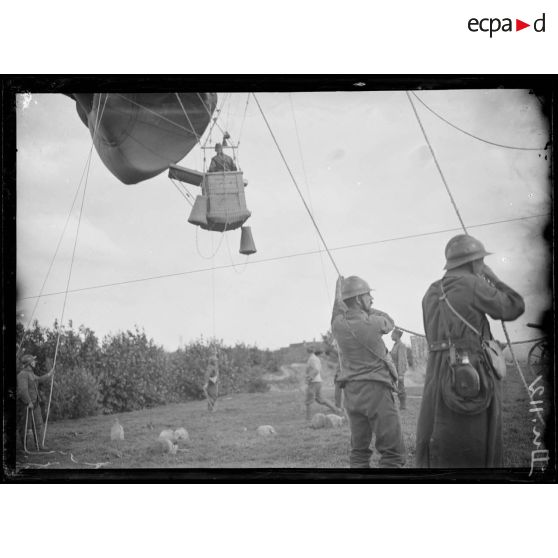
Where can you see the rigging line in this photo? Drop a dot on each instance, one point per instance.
(181, 192)
(436, 162)
(244, 117)
(297, 188)
(218, 245)
(188, 118)
(155, 113)
(26, 329)
(213, 119)
(209, 113)
(504, 329)
(234, 266)
(286, 256)
(472, 135)
(97, 123)
(529, 341)
(322, 266)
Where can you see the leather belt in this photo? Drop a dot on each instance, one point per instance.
(437, 346)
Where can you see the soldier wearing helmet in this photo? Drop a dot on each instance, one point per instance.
(28, 397)
(454, 429)
(367, 374)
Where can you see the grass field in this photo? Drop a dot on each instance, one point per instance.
(227, 438)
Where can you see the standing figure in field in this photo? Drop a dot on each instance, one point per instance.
(314, 383)
(367, 374)
(29, 400)
(460, 419)
(333, 352)
(221, 162)
(211, 386)
(399, 357)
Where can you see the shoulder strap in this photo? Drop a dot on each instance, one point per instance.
(445, 299)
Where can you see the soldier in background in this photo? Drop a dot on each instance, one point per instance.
(28, 398)
(211, 386)
(314, 383)
(399, 357)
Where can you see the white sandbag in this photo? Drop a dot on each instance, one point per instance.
(335, 421)
(266, 430)
(319, 420)
(181, 434)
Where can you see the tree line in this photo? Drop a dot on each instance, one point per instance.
(127, 370)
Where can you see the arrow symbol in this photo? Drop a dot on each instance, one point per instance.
(519, 25)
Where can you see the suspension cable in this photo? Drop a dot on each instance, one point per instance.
(38, 298)
(472, 135)
(512, 352)
(60, 325)
(436, 162)
(296, 186)
(322, 266)
(287, 256)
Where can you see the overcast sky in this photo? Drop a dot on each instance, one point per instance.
(365, 170)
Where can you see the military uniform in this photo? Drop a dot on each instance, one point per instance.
(28, 392)
(452, 431)
(399, 356)
(368, 385)
(314, 385)
(221, 163)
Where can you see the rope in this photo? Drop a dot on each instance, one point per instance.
(209, 112)
(234, 266)
(244, 117)
(188, 118)
(296, 186)
(529, 341)
(436, 162)
(514, 358)
(155, 113)
(26, 329)
(218, 246)
(309, 193)
(472, 135)
(99, 117)
(286, 256)
(185, 194)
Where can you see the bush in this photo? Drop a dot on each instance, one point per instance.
(75, 394)
(255, 383)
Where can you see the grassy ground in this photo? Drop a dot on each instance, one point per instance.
(228, 437)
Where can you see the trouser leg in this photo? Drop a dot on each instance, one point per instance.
(361, 437)
(338, 395)
(322, 401)
(310, 396)
(401, 393)
(389, 440)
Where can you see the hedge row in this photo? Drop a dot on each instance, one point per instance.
(127, 371)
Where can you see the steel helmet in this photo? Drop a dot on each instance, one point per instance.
(354, 286)
(28, 359)
(462, 249)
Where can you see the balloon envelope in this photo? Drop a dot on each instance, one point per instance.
(140, 134)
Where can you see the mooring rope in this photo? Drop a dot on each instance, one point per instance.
(508, 341)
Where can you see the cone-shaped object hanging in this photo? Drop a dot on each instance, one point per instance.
(247, 245)
(198, 215)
